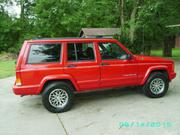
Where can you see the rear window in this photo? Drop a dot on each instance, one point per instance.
(44, 53)
(80, 52)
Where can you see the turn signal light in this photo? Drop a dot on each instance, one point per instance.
(18, 82)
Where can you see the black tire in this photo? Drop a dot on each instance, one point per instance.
(156, 75)
(67, 88)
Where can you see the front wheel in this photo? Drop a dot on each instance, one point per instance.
(58, 97)
(157, 85)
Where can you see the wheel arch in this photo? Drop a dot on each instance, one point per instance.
(64, 78)
(162, 69)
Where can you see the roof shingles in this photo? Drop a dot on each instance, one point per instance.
(100, 31)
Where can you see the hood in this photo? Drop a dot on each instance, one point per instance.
(142, 58)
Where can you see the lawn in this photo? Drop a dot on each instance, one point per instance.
(175, 52)
(7, 68)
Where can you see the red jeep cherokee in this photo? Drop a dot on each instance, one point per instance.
(56, 68)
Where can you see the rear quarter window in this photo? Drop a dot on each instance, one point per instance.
(44, 53)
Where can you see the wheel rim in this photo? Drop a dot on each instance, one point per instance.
(58, 98)
(157, 86)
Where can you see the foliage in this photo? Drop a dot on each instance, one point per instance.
(144, 21)
(66, 18)
(8, 32)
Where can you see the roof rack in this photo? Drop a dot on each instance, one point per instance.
(39, 38)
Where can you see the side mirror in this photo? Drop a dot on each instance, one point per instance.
(129, 56)
(125, 57)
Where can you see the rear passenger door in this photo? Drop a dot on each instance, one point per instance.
(82, 65)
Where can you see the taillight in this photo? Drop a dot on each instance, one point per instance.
(18, 80)
(173, 66)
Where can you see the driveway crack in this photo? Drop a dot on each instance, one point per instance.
(62, 124)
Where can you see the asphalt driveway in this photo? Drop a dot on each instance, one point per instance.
(97, 113)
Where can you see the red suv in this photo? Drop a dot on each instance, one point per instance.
(57, 68)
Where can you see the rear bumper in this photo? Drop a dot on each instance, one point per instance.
(172, 75)
(25, 90)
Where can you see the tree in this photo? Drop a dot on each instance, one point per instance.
(66, 18)
(8, 34)
(142, 23)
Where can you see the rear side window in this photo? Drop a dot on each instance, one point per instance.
(44, 53)
(80, 51)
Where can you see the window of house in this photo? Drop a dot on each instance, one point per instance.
(44, 53)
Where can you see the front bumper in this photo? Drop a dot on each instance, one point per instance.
(172, 75)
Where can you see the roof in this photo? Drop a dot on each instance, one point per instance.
(74, 39)
(99, 31)
(171, 26)
(56, 38)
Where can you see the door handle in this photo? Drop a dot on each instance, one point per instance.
(71, 66)
(104, 64)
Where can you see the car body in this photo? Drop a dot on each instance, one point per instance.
(84, 63)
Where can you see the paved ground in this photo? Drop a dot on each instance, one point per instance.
(93, 114)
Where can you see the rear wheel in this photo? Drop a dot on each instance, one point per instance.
(156, 85)
(58, 97)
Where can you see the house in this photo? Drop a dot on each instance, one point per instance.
(99, 32)
(177, 37)
(177, 41)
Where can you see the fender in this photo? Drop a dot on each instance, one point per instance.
(57, 77)
(150, 69)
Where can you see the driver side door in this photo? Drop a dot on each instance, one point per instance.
(116, 69)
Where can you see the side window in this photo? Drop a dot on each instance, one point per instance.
(111, 51)
(80, 51)
(44, 53)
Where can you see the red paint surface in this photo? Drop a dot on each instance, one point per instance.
(87, 75)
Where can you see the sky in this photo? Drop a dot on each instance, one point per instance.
(13, 10)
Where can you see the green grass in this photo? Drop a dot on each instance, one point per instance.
(175, 52)
(7, 68)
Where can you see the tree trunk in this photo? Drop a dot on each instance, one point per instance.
(22, 9)
(168, 44)
(121, 10)
(167, 50)
(133, 21)
(1, 8)
(147, 50)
